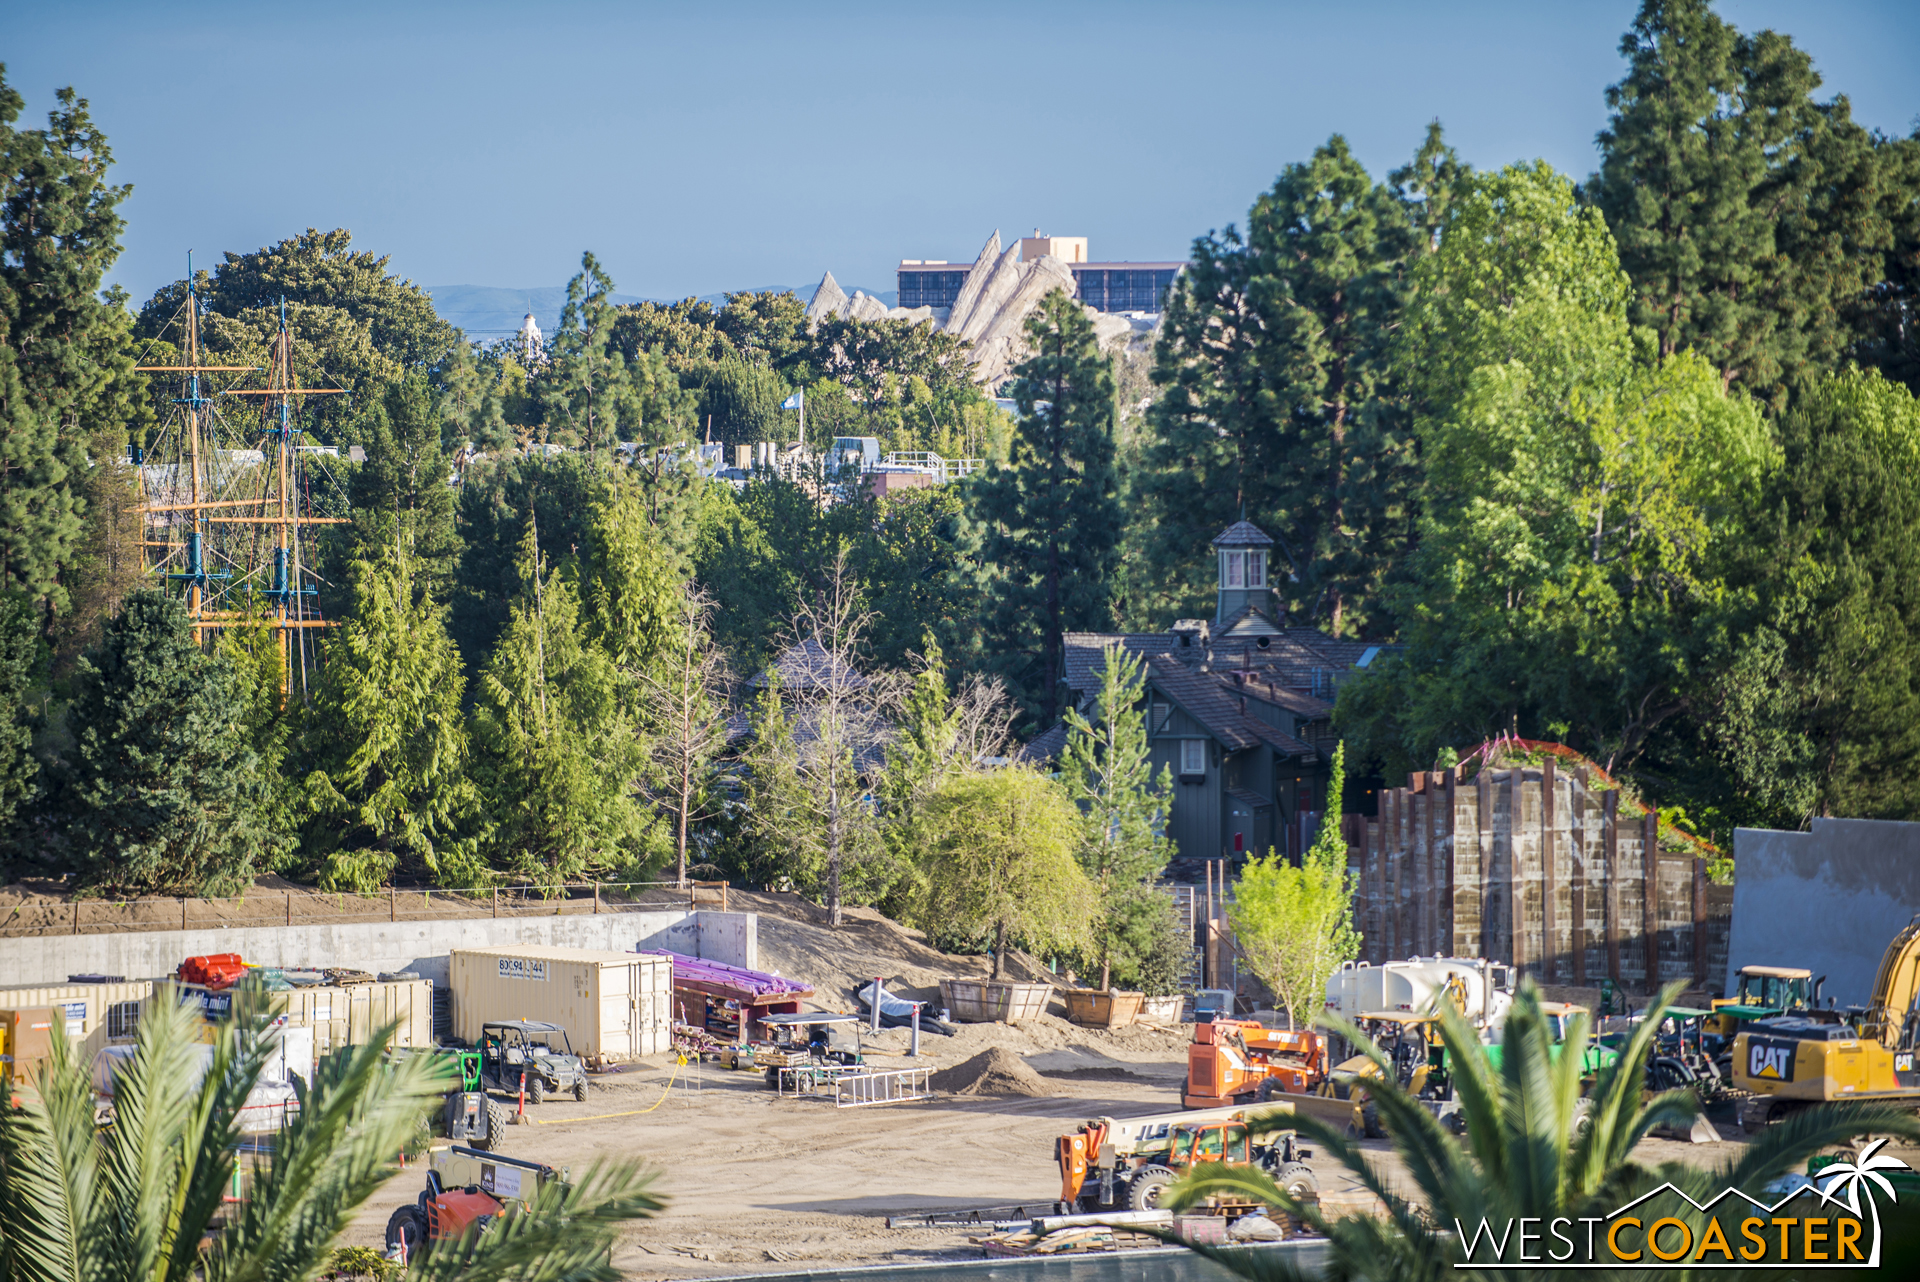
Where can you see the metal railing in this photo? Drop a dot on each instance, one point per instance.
(87, 916)
(894, 1086)
(814, 1079)
(941, 469)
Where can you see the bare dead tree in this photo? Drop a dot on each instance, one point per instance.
(684, 703)
(838, 728)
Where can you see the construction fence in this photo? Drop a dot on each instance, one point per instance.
(100, 916)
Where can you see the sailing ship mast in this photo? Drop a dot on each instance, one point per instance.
(228, 509)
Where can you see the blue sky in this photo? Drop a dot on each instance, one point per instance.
(726, 147)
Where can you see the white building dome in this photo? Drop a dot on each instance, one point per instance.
(530, 336)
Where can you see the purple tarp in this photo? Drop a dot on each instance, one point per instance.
(757, 982)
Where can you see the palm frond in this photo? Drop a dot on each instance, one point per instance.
(49, 1173)
(565, 1235)
(353, 1123)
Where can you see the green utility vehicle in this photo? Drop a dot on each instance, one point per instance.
(517, 1050)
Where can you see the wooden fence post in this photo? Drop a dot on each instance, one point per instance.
(1650, 873)
(1610, 856)
(1549, 871)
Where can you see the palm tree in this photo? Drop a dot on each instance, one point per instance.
(143, 1198)
(1531, 1148)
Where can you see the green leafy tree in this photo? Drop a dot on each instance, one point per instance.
(162, 791)
(1536, 1145)
(765, 550)
(1150, 949)
(147, 1199)
(1046, 527)
(1108, 771)
(1750, 218)
(64, 374)
(1818, 715)
(1293, 926)
(555, 755)
(386, 751)
(773, 802)
(939, 732)
(909, 558)
(742, 403)
(1281, 396)
(1576, 504)
(1001, 865)
(355, 326)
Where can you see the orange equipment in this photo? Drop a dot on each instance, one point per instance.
(215, 970)
(1129, 1163)
(26, 1041)
(467, 1190)
(1237, 1060)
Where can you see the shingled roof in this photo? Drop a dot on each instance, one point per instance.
(1084, 651)
(1243, 534)
(1205, 698)
(807, 666)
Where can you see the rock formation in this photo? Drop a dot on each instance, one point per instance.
(990, 312)
(828, 300)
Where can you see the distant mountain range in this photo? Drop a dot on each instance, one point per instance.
(489, 312)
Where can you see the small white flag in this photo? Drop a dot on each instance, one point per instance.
(791, 403)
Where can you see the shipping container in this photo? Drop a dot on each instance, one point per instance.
(340, 1017)
(93, 1014)
(615, 1005)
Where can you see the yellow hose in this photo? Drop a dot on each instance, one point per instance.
(679, 1062)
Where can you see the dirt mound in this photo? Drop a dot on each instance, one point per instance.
(995, 1072)
(835, 960)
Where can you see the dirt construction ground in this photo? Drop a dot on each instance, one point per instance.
(756, 1183)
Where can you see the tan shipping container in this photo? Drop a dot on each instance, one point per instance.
(618, 1005)
(340, 1017)
(95, 1014)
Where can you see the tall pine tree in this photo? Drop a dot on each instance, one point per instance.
(1751, 219)
(1280, 399)
(1046, 527)
(162, 791)
(556, 757)
(387, 788)
(584, 391)
(64, 376)
(401, 501)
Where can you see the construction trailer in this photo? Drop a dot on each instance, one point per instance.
(728, 1001)
(92, 1015)
(613, 1005)
(339, 1017)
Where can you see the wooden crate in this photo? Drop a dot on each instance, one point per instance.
(1103, 1008)
(980, 1001)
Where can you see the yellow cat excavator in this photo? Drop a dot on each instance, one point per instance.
(1790, 1061)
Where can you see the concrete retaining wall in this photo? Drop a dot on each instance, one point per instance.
(1830, 900)
(419, 946)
